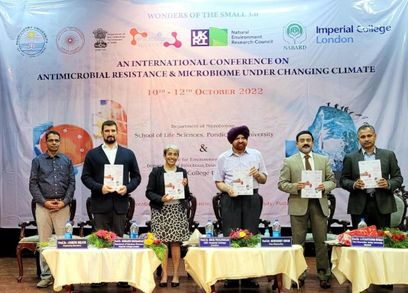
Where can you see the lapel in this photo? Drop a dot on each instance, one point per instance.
(103, 155)
(118, 154)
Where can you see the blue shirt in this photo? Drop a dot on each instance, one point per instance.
(52, 178)
(229, 161)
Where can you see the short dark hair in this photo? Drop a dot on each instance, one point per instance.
(365, 126)
(109, 123)
(48, 133)
(304, 132)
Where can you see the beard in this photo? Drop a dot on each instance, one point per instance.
(109, 140)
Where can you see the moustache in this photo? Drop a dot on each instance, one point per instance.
(306, 145)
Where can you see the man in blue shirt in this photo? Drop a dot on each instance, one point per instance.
(52, 185)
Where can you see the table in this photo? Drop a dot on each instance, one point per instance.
(92, 265)
(209, 265)
(364, 266)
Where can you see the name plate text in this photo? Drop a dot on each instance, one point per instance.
(276, 241)
(128, 243)
(72, 243)
(215, 242)
(364, 241)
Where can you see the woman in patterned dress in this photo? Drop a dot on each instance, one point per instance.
(169, 216)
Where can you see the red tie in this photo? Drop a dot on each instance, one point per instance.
(307, 163)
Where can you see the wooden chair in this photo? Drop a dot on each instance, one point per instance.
(91, 221)
(30, 242)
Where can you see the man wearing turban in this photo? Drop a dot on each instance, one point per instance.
(240, 211)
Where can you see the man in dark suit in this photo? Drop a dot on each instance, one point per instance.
(110, 203)
(375, 205)
(303, 209)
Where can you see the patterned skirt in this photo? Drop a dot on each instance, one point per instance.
(170, 224)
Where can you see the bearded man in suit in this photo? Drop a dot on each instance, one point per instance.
(375, 205)
(303, 209)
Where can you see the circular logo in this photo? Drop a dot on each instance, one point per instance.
(294, 30)
(70, 40)
(31, 41)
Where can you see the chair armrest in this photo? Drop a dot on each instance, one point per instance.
(23, 227)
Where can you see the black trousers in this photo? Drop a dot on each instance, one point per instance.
(372, 215)
(241, 212)
(111, 221)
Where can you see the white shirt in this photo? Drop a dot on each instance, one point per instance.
(110, 152)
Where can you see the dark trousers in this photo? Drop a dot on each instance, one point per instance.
(372, 215)
(241, 212)
(111, 221)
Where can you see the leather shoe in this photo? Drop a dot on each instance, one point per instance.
(122, 285)
(249, 284)
(387, 286)
(163, 284)
(325, 284)
(231, 284)
(98, 285)
(175, 284)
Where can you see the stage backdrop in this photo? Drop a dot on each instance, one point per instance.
(185, 72)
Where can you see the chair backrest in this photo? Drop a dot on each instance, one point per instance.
(191, 211)
(398, 218)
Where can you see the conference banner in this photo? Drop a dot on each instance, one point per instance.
(184, 73)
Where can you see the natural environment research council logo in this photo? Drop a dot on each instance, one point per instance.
(294, 33)
(31, 41)
(209, 37)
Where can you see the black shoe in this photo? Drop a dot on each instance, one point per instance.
(98, 285)
(175, 284)
(325, 284)
(122, 285)
(163, 284)
(390, 287)
(246, 283)
(231, 284)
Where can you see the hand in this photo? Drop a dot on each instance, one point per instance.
(167, 198)
(383, 183)
(359, 184)
(107, 189)
(231, 191)
(320, 187)
(184, 182)
(122, 190)
(52, 205)
(300, 185)
(254, 173)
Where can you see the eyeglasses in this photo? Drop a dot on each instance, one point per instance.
(53, 140)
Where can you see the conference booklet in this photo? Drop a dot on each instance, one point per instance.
(312, 179)
(370, 172)
(242, 182)
(113, 176)
(173, 184)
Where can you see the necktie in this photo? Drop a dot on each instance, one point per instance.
(307, 163)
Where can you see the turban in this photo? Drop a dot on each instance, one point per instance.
(234, 132)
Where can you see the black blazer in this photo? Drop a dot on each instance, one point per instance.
(384, 197)
(155, 187)
(92, 177)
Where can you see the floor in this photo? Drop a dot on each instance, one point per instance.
(9, 284)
